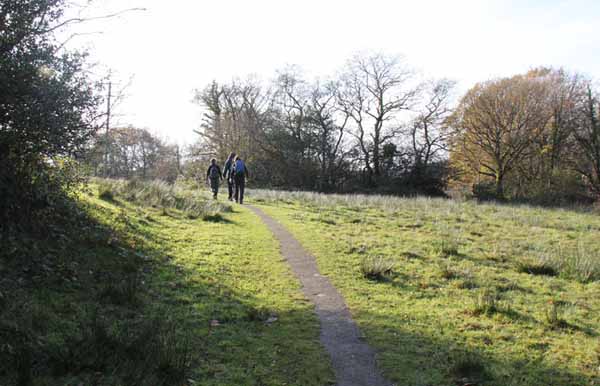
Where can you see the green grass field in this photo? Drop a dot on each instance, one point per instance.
(483, 294)
(149, 284)
(149, 296)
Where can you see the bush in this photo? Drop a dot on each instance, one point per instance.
(554, 315)
(468, 369)
(485, 191)
(123, 291)
(105, 192)
(376, 268)
(446, 245)
(536, 267)
(159, 194)
(563, 187)
(48, 113)
(487, 303)
(579, 264)
(33, 195)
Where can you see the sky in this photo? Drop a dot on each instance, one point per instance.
(173, 47)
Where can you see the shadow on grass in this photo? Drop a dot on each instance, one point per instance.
(433, 358)
(111, 199)
(100, 306)
(217, 218)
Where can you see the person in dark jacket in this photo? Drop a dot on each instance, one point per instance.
(213, 176)
(228, 174)
(239, 176)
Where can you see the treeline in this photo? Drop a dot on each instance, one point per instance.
(374, 126)
(129, 152)
(377, 127)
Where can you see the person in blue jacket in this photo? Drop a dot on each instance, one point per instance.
(240, 174)
(228, 174)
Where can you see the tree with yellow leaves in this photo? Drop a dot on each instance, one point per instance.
(494, 126)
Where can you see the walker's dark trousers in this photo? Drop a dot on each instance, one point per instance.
(240, 182)
(230, 187)
(214, 186)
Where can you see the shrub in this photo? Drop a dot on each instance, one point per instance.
(487, 303)
(579, 264)
(376, 268)
(123, 291)
(447, 272)
(158, 194)
(536, 267)
(462, 277)
(485, 191)
(554, 315)
(105, 192)
(173, 351)
(446, 245)
(468, 369)
(48, 112)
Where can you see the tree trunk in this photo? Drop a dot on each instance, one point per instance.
(376, 149)
(499, 185)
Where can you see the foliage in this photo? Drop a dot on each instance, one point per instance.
(532, 136)
(48, 110)
(495, 124)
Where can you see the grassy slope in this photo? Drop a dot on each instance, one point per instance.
(231, 271)
(424, 319)
(137, 275)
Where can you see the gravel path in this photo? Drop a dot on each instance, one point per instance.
(352, 358)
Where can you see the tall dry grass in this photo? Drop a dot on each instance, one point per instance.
(159, 194)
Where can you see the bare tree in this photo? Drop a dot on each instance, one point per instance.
(291, 99)
(375, 89)
(587, 135)
(426, 131)
(329, 124)
(212, 129)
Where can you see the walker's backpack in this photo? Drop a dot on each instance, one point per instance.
(240, 167)
(214, 172)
